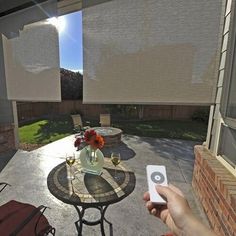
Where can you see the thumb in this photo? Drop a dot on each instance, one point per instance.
(165, 191)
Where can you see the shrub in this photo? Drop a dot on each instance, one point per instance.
(201, 115)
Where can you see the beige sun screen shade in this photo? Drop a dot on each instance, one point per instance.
(31, 56)
(153, 52)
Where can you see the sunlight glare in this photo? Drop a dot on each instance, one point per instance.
(58, 22)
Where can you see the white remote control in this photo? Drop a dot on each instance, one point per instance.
(156, 175)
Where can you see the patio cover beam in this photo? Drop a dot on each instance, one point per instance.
(9, 7)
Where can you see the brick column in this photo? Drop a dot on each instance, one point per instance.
(7, 139)
(215, 187)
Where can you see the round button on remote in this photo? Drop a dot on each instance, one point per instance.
(157, 177)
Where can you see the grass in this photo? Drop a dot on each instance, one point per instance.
(49, 130)
(46, 131)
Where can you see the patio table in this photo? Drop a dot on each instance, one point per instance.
(91, 191)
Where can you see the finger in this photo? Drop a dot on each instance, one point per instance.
(149, 205)
(146, 196)
(154, 211)
(157, 212)
(163, 215)
(166, 192)
(175, 189)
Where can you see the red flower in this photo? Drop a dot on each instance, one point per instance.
(98, 142)
(77, 142)
(89, 136)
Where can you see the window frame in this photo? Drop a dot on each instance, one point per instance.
(221, 144)
(229, 64)
(228, 70)
(15, 6)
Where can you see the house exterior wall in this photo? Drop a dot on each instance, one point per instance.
(6, 115)
(7, 136)
(214, 181)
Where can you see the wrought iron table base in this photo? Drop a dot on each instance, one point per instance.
(79, 223)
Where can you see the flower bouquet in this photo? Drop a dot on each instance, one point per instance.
(91, 157)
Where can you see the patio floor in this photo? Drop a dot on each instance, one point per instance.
(27, 173)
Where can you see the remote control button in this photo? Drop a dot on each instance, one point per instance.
(157, 177)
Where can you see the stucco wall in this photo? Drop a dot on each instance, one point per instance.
(6, 115)
(7, 135)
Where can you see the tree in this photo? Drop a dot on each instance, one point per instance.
(71, 85)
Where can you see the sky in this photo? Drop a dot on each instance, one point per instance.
(70, 41)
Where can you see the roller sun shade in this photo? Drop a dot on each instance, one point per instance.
(30, 49)
(151, 52)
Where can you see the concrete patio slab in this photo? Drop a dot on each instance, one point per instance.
(27, 173)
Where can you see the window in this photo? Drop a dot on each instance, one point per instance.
(231, 106)
(227, 142)
(227, 145)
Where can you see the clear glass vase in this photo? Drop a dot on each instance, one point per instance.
(92, 160)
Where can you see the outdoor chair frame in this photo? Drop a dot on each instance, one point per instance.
(36, 210)
(78, 123)
(105, 120)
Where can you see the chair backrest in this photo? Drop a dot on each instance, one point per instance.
(19, 218)
(77, 120)
(105, 120)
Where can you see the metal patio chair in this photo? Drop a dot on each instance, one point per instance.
(23, 219)
(78, 123)
(105, 120)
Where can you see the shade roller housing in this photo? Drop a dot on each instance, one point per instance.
(151, 52)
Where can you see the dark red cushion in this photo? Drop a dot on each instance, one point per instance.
(13, 213)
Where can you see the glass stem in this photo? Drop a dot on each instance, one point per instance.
(115, 171)
(71, 172)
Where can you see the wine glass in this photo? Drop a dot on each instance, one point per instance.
(70, 160)
(115, 158)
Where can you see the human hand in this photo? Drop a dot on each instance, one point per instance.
(177, 211)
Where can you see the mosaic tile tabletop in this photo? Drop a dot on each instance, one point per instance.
(88, 189)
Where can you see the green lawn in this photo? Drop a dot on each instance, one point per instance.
(46, 131)
(49, 130)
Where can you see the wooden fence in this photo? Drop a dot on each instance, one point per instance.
(33, 110)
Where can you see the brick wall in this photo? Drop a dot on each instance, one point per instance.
(216, 188)
(7, 140)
